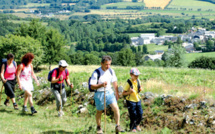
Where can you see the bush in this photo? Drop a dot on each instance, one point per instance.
(203, 62)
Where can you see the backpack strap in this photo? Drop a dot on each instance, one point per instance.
(110, 71)
(129, 82)
(98, 75)
(138, 85)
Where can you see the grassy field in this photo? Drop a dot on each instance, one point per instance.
(153, 47)
(192, 56)
(123, 4)
(36, 5)
(177, 82)
(193, 4)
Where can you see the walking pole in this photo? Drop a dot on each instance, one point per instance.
(105, 108)
(60, 98)
(1, 92)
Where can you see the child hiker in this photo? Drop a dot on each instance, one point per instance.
(131, 91)
(25, 73)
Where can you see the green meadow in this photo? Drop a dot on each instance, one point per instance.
(122, 4)
(193, 4)
(192, 56)
(169, 81)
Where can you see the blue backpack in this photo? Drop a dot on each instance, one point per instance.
(98, 76)
(51, 72)
(4, 62)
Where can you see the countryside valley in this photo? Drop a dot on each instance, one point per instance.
(171, 42)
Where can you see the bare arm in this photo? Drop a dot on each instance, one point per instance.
(2, 74)
(68, 82)
(18, 74)
(115, 85)
(96, 86)
(34, 76)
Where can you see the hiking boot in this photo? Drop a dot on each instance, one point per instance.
(6, 103)
(118, 129)
(60, 114)
(33, 111)
(99, 130)
(24, 109)
(15, 107)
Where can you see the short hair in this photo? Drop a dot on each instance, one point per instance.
(10, 56)
(106, 58)
(28, 57)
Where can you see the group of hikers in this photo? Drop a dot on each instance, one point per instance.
(100, 82)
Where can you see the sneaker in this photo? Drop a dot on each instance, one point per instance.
(119, 129)
(16, 107)
(33, 111)
(6, 103)
(139, 129)
(133, 131)
(99, 130)
(24, 109)
(60, 114)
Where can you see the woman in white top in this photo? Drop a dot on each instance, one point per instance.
(24, 77)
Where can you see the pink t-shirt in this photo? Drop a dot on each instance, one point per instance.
(10, 73)
(54, 74)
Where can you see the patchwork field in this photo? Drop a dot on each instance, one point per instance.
(192, 4)
(123, 4)
(192, 56)
(156, 3)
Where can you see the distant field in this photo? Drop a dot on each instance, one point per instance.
(123, 4)
(192, 56)
(194, 4)
(156, 3)
(35, 5)
(153, 47)
(22, 21)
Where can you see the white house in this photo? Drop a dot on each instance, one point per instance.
(149, 35)
(153, 57)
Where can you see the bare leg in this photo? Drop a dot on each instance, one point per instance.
(98, 117)
(25, 99)
(115, 109)
(29, 95)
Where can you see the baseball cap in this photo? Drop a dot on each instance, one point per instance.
(63, 63)
(135, 71)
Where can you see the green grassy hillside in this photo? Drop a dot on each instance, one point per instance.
(192, 56)
(193, 4)
(169, 81)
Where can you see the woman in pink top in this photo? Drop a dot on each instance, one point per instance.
(8, 70)
(24, 77)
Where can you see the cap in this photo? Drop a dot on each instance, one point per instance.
(135, 71)
(63, 63)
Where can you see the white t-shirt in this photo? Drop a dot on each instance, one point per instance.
(104, 76)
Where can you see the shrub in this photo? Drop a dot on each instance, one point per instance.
(203, 62)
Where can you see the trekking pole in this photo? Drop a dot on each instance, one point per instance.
(105, 109)
(60, 98)
(1, 92)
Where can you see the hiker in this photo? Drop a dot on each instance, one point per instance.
(25, 73)
(131, 91)
(57, 85)
(8, 70)
(107, 76)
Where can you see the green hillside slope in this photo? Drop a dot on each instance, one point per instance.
(192, 4)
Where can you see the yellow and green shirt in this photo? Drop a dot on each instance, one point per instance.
(134, 97)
